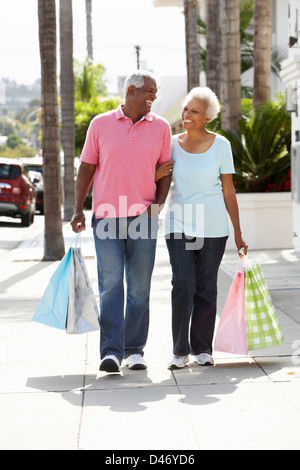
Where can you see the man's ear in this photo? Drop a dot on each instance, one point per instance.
(131, 90)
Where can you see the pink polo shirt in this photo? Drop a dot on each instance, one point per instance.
(126, 156)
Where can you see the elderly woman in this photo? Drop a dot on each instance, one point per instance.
(196, 226)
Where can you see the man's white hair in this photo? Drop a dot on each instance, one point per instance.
(137, 79)
(209, 97)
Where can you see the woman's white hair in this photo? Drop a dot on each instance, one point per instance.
(209, 97)
(137, 79)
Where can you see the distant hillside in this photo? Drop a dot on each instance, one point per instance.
(18, 96)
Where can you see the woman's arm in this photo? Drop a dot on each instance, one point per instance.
(165, 169)
(233, 210)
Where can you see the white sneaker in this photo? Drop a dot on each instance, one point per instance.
(204, 359)
(136, 362)
(110, 363)
(178, 362)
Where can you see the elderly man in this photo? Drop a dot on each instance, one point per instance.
(120, 155)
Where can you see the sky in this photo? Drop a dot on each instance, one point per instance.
(118, 25)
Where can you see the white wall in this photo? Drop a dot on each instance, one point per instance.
(266, 221)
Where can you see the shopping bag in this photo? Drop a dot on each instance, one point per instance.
(53, 307)
(231, 334)
(68, 302)
(263, 328)
(83, 314)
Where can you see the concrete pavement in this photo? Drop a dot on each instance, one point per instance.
(52, 395)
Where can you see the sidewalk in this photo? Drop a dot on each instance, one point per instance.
(52, 395)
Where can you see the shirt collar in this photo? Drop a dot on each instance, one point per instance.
(120, 114)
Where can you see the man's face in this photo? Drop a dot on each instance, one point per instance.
(145, 95)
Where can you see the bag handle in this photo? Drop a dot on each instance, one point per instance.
(240, 262)
(245, 260)
(76, 240)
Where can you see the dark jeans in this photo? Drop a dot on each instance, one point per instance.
(194, 292)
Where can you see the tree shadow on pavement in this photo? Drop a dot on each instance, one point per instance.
(23, 275)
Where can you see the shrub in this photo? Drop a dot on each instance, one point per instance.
(262, 152)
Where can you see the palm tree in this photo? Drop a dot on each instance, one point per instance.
(210, 60)
(262, 51)
(231, 65)
(89, 33)
(192, 53)
(213, 46)
(54, 242)
(67, 104)
(89, 80)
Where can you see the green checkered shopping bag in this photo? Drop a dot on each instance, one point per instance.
(263, 329)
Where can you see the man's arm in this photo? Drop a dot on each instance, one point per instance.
(163, 175)
(84, 180)
(162, 189)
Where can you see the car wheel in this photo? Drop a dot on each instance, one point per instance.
(27, 219)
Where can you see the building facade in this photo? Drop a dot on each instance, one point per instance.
(290, 75)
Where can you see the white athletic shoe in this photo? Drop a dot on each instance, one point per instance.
(110, 363)
(136, 362)
(204, 359)
(178, 362)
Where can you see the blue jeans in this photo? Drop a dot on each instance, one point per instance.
(120, 249)
(194, 291)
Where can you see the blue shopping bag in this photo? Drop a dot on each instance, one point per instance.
(53, 307)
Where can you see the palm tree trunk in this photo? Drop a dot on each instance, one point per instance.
(89, 33)
(192, 52)
(262, 51)
(231, 65)
(213, 46)
(67, 104)
(54, 243)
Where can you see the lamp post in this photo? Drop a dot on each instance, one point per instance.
(138, 50)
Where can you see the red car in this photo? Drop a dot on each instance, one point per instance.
(17, 193)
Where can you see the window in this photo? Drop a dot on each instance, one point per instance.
(9, 171)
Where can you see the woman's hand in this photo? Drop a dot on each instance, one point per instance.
(241, 245)
(165, 169)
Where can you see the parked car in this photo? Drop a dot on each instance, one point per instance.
(34, 169)
(32, 166)
(17, 193)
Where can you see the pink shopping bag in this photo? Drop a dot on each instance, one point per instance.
(231, 335)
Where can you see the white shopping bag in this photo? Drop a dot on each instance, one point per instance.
(83, 315)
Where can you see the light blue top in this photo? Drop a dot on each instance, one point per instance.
(196, 204)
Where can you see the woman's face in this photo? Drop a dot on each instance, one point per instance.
(194, 114)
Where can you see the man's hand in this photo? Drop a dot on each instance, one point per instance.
(154, 209)
(78, 222)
